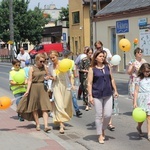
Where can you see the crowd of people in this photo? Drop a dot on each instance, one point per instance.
(45, 88)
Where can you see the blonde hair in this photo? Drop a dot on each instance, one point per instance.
(38, 56)
(54, 52)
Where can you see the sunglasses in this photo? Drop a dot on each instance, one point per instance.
(139, 52)
(42, 61)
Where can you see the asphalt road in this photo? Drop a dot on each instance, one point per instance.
(80, 133)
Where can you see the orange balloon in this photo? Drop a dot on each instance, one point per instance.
(5, 102)
(135, 41)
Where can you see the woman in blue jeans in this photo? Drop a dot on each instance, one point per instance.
(101, 87)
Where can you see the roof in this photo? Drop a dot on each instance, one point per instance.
(123, 5)
(89, 1)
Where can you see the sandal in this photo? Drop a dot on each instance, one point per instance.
(149, 137)
(61, 131)
(101, 140)
(47, 129)
(38, 128)
(111, 127)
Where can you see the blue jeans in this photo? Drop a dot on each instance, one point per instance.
(18, 97)
(74, 100)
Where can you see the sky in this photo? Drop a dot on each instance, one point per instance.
(58, 3)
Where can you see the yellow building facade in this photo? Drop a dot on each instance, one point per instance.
(79, 25)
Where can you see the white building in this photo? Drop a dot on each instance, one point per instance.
(124, 18)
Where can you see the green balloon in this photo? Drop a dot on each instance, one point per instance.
(139, 115)
(19, 78)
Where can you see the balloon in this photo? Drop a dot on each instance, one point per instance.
(19, 78)
(64, 65)
(5, 102)
(125, 45)
(115, 60)
(135, 41)
(138, 114)
(82, 56)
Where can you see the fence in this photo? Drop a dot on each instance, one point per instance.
(5, 55)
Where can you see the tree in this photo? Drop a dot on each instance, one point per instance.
(28, 24)
(64, 15)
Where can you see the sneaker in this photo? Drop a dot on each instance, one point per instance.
(20, 118)
(78, 113)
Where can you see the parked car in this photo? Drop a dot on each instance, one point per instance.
(46, 48)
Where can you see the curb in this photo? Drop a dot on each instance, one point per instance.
(51, 135)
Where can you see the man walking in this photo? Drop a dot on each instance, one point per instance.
(23, 56)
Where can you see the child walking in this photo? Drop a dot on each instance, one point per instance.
(142, 95)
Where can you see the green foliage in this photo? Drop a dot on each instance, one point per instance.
(28, 24)
(64, 15)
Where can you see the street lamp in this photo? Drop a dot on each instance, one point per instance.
(11, 26)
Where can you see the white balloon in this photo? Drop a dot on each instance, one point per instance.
(82, 56)
(115, 60)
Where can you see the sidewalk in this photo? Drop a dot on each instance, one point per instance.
(16, 135)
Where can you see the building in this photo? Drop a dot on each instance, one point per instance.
(81, 13)
(119, 19)
(55, 31)
(52, 11)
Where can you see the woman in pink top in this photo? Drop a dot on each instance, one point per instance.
(134, 66)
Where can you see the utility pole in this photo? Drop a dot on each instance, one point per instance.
(11, 27)
(91, 23)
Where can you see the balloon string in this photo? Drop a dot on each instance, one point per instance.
(130, 56)
(14, 99)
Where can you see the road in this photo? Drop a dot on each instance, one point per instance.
(80, 133)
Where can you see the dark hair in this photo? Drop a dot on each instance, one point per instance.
(137, 50)
(14, 61)
(98, 42)
(88, 49)
(142, 69)
(94, 62)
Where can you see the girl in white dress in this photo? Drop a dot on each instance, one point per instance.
(142, 95)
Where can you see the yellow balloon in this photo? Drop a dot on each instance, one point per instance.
(64, 65)
(125, 45)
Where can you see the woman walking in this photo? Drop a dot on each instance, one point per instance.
(35, 102)
(62, 110)
(101, 86)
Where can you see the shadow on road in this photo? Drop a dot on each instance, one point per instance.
(135, 136)
(127, 113)
(95, 138)
(29, 126)
(122, 88)
(91, 126)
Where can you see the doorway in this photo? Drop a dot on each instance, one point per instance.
(113, 41)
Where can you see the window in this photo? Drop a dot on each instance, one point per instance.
(39, 47)
(25, 46)
(76, 17)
